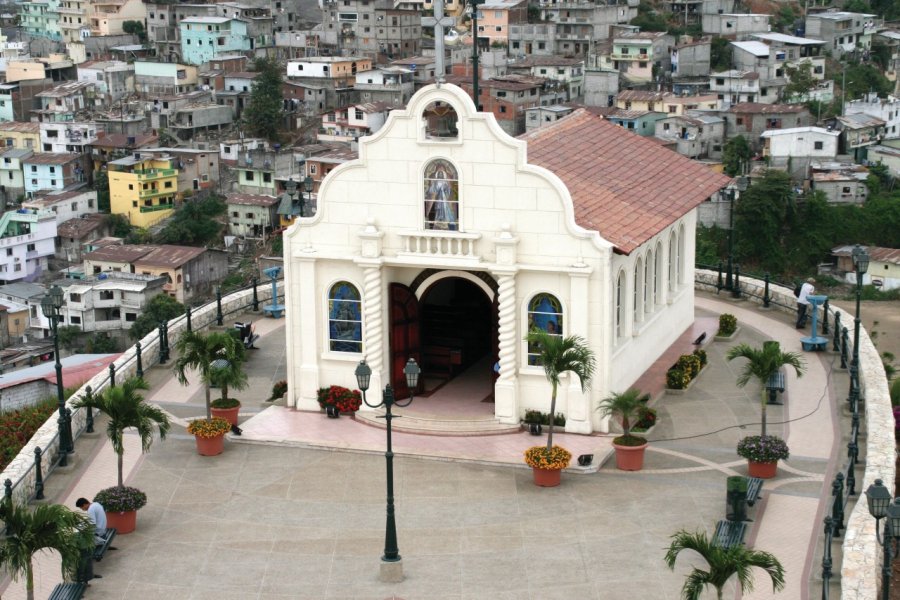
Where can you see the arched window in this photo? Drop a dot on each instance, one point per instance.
(673, 242)
(648, 283)
(440, 120)
(681, 257)
(620, 306)
(441, 193)
(544, 313)
(344, 318)
(637, 308)
(657, 274)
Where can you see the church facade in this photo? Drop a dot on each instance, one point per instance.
(448, 240)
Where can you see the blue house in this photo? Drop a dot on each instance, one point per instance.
(202, 38)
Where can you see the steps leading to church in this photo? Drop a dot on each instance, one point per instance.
(437, 425)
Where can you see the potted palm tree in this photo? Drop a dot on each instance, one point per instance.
(557, 354)
(226, 375)
(626, 409)
(126, 409)
(199, 351)
(763, 363)
(723, 564)
(46, 527)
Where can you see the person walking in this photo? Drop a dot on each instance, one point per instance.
(803, 302)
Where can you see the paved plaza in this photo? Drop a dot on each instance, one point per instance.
(295, 508)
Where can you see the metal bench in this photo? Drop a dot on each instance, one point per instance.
(100, 549)
(754, 490)
(729, 533)
(775, 385)
(68, 591)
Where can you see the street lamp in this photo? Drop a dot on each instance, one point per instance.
(472, 11)
(880, 507)
(308, 184)
(290, 188)
(860, 265)
(741, 184)
(391, 557)
(51, 304)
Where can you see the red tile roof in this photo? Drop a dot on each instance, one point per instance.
(626, 187)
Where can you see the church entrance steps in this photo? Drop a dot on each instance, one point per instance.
(437, 425)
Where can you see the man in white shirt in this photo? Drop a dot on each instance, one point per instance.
(803, 303)
(97, 516)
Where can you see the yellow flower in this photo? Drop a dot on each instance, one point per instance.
(555, 458)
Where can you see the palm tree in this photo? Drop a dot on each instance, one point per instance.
(723, 563)
(230, 376)
(625, 407)
(762, 364)
(557, 355)
(46, 527)
(198, 351)
(125, 409)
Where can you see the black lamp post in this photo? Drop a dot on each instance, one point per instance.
(740, 185)
(472, 11)
(363, 375)
(308, 185)
(880, 506)
(860, 265)
(290, 188)
(51, 304)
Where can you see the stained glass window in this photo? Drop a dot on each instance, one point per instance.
(344, 318)
(441, 196)
(544, 313)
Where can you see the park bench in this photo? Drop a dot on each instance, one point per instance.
(729, 533)
(68, 591)
(775, 385)
(754, 490)
(100, 549)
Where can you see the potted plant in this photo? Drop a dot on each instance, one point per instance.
(677, 379)
(645, 421)
(625, 408)
(209, 435)
(723, 563)
(558, 354)
(45, 527)
(227, 374)
(126, 409)
(279, 389)
(763, 453)
(761, 364)
(727, 326)
(121, 504)
(337, 399)
(547, 464)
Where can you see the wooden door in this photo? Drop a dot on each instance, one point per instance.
(404, 335)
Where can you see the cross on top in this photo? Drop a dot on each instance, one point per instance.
(439, 21)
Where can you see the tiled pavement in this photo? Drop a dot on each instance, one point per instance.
(294, 521)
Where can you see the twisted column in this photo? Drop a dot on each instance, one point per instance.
(374, 322)
(507, 326)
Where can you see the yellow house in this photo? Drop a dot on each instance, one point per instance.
(25, 136)
(142, 188)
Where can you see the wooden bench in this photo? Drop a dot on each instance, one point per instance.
(439, 361)
(68, 591)
(754, 490)
(729, 533)
(100, 549)
(774, 386)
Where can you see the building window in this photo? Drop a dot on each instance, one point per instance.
(819, 145)
(544, 313)
(638, 292)
(344, 318)
(75, 320)
(441, 196)
(620, 306)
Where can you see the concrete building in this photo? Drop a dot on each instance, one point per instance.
(153, 79)
(63, 102)
(690, 12)
(68, 137)
(885, 155)
(638, 56)
(20, 135)
(189, 272)
(142, 189)
(841, 183)
(26, 241)
(11, 172)
(735, 26)
(197, 170)
(888, 110)
(794, 148)
(641, 122)
(108, 16)
(600, 87)
(72, 235)
(365, 28)
(566, 72)
(391, 85)
(74, 21)
(542, 116)
(188, 121)
(734, 87)
(495, 18)
(696, 136)
(112, 79)
(110, 301)
(349, 123)
(28, 294)
(858, 131)
(750, 120)
(665, 102)
(578, 25)
(65, 205)
(202, 38)
(40, 19)
(113, 146)
(52, 171)
(884, 266)
(690, 59)
(250, 215)
(841, 31)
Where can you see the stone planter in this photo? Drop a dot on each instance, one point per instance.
(728, 338)
(681, 392)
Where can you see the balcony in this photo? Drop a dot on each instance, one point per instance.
(620, 56)
(457, 246)
(154, 173)
(158, 207)
(64, 10)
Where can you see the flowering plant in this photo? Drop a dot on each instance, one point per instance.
(701, 354)
(340, 397)
(677, 379)
(279, 388)
(690, 364)
(646, 418)
(209, 428)
(727, 324)
(121, 499)
(556, 457)
(763, 448)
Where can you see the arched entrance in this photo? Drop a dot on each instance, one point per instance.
(447, 321)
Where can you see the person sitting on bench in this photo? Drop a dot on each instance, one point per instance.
(97, 515)
(247, 335)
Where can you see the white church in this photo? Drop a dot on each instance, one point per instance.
(447, 240)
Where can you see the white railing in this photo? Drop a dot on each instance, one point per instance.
(441, 244)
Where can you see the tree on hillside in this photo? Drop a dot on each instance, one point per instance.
(648, 19)
(861, 79)
(761, 219)
(101, 184)
(135, 28)
(264, 114)
(720, 55)
(800, 80)
(160, 308)
(736, 156)
(194, 224)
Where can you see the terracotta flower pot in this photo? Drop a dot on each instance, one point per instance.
(210, 446)
(630, 458)
(123, 522)
(546, 477)
(229, 414)
(763, 470)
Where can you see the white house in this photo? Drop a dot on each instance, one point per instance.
(888, 110)
(26, 241)
(65, 205)
(793, 149)
(467, 238)
(50, 171)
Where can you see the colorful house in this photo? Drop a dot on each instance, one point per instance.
(205, 37)
(142, 188)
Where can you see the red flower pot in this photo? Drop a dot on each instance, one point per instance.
(210, 446)
(763, 470)
(630, 458)
(229, 414)
(123, 522)
(546, 477)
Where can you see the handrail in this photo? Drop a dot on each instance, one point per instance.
(19, 476)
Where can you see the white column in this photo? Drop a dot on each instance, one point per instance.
(506, 388)
(306, 344)
(578, 415)
(374, 324)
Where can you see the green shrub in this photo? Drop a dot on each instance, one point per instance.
(536, 416)
(701, 354)
(646, 420)
(690, 364)
(676, 379)
(727, 324)
(279, 389)
(17, 427)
